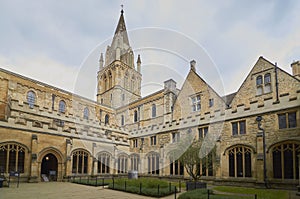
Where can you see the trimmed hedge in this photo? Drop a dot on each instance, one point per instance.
(202, 194)
(142, 186)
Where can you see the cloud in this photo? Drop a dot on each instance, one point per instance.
(233, 34)
(43, 69)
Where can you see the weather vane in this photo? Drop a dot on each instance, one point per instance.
(122, 8)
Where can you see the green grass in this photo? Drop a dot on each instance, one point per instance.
(261, 193)
(202, 194)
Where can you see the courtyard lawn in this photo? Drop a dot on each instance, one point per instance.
(261, 193)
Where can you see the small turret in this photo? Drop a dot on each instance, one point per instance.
(138, 63)
(101, 62)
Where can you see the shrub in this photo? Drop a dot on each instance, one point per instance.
(149, 186)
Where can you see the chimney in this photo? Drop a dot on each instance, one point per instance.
(170, 85)
(296, 69)
(193, 65)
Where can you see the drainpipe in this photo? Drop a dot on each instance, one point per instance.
(258, 119)
(276, 83)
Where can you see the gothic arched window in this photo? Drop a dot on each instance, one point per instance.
(153, 110)
(104, 163)
(106, 120)
(62, 106)
(122, 120)
(134, 160)
(176, 168)
(12, 158)
(135, 116)
(109, 79)
(80, 162)
(205, 168)
(286, 161)
(240, 162)
(31, 97)
(86, 113)
(122, 163)
(153, 163)
(105, 83)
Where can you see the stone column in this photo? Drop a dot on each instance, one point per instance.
(94, 168)
(68, 162)
(95, 164)
(142, 164)
(298, 187)
(161, 161)
(259, 158)
(217, 160)
(34, 167)
(90, 169)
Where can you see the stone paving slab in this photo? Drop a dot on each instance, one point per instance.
(64, 190)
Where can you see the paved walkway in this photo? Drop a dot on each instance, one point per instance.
(64, 190)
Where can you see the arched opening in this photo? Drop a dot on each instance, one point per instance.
(153, 163)
(49, 168)
(106, 122)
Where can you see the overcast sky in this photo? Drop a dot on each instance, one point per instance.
(56, 41)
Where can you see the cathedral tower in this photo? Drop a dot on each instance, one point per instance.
(119, 83)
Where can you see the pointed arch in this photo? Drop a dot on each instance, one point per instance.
(285, 159)
(153, 160)
(122, 163)
(240, 160)
(56, 152)
(104, 162)
(237, 145)
(80, 160)
(62, 106)
(105, 81)
(12, 157)
(110, 79)
(134, 161)
(31, 98)
(106, 119)
(86, 113)
(153, 110)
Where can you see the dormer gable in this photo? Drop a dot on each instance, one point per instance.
(266, 81)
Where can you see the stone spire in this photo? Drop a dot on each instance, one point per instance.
(101, 62)
(121, 30)
(138, 63)
(120, 48)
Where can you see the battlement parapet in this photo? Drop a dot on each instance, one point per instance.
(241, 110)
(35, 119)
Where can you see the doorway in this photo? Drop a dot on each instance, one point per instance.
(49, 168)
